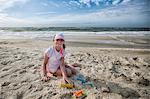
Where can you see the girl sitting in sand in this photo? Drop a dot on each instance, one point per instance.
(54, 60)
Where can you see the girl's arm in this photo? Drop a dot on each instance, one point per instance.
(62, 67)
(44, 65)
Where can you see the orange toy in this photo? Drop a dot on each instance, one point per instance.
(78, 93)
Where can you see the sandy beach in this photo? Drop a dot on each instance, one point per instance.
(117, 71)
(106, 53)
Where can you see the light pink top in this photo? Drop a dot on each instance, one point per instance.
(54, 59)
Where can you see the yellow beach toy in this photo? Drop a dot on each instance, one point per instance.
(69, 86)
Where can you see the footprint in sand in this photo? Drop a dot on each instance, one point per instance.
(6, 62)
(18, 95)
(14, 71)
(38, 88)
(22, 71)
(30, 65)
(125, 92)
(5, 84)
(12, 76)
(5, 69)
(66, 96)
(2, 76)
(143, 81)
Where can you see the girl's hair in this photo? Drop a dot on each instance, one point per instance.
(64, 46)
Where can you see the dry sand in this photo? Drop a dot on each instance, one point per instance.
(117, 73)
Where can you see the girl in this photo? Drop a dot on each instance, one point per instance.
(54, 60)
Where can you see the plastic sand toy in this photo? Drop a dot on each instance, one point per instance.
(89, 83)
(79, 94)
(69, 86)
(82, 80)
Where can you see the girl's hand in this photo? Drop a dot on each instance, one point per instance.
(45, 78)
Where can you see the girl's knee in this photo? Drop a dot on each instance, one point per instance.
(74, 72)
(68, 72)
(72, 68)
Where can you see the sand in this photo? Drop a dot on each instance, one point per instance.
(116, 72)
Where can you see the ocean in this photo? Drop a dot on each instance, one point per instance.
(44, 33)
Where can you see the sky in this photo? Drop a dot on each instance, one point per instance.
(75, 13)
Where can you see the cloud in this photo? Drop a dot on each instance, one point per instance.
(86, 2)
(104, 2)
(4, 4)
(89, 2)
(115, 2)
(44, 13)
(44, 4)
(74, 3)
(108, 16)
(54, 4)
(127, 15)
(6, 20)
(126, 1)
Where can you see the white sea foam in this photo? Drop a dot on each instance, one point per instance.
(48, 34)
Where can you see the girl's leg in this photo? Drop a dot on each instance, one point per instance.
(72, 68)
(59, 73)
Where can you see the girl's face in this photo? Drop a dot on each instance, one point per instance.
(58, 42)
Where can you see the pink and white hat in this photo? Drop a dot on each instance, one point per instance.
(59, 36)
